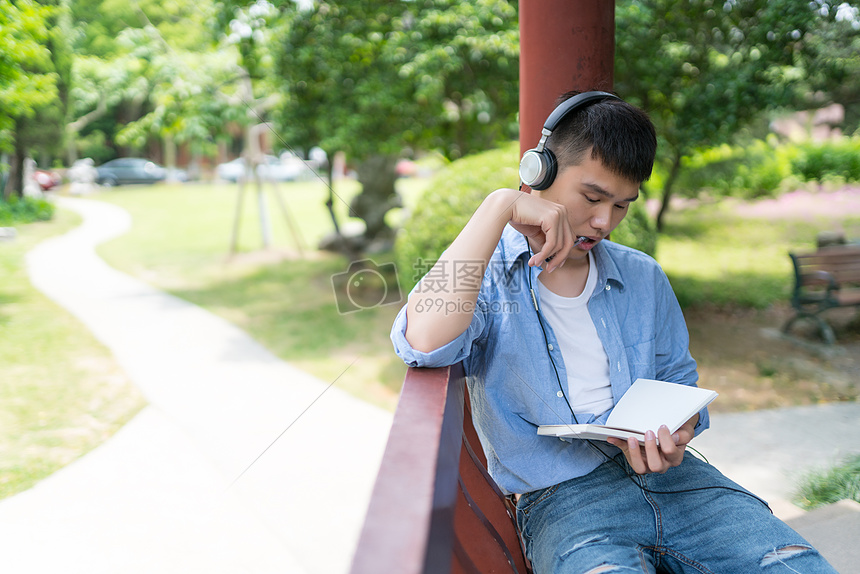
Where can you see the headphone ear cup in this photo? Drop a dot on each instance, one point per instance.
(538, 168)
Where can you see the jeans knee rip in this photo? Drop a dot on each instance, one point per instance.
(584, 543)
(777, 555)
(603, 568)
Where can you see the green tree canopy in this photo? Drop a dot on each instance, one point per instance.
(28, 80)
(380, 79)
(705, 69)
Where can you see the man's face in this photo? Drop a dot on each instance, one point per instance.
(596, 200)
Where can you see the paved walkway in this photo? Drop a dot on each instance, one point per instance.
(769, 451)
(160, 495)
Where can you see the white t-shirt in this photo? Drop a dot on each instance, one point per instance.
(584, 357)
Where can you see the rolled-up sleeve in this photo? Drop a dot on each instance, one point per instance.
(449, 354)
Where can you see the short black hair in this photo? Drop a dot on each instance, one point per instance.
(620, 135)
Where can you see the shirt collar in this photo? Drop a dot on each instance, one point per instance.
(514, 246)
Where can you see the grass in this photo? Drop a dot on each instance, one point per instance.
(286, 300)
(831, 485)
(715, 257)
(61, 392)
(181, 236)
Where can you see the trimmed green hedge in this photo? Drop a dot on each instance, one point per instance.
(26, 210)
(754, 170)
(455, 193)
(830, 159)
(765, 168)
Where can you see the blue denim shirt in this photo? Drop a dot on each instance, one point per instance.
(511, 380)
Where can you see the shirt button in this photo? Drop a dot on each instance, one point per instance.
(559, 394)
(549, 347)
(608, 287)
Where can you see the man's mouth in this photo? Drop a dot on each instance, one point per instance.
(584, 242)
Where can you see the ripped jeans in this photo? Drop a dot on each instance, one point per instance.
(604, 522)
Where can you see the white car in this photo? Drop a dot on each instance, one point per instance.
(286, 168)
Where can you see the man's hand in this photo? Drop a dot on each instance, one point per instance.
(547, 224)
(653, 458)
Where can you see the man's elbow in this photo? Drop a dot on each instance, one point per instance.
(421, 340)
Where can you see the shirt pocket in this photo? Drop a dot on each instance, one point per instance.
(641, 358)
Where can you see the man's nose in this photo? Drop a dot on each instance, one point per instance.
(602, 217)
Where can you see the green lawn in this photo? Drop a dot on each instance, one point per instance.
(180, 242)
(714, 256)
(61, 392)
(181, 238)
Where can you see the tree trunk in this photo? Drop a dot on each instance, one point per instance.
(329, 181)
(668, 190)
(15, 183)
(376, 175)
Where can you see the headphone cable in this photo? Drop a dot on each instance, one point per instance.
(589, 441)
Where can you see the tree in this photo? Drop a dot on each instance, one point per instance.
(831, 55)
(188, 95)
(342, 84)
(378, 80)
(705, 69)
(139, 70)
(28, 82)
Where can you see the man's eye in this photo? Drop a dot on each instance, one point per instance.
(622, 205)
(591, 200)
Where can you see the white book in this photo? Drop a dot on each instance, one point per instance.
(645, 406)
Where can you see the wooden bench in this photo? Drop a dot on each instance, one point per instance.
(434, 508)
(825, 279)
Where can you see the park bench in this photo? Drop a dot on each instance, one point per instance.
(434, 508)
(825, 279)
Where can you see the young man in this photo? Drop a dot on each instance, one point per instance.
(553, 324)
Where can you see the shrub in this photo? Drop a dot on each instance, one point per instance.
(837, 159)
(456, 191)
(754, 170)
(26, 210)
(838, 483)
(446, 206)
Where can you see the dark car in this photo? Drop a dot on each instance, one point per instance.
(133, 170)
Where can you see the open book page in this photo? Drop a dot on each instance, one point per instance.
(646, 405)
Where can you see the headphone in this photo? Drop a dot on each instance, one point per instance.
(538, 166)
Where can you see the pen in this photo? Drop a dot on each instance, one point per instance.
(579, 241)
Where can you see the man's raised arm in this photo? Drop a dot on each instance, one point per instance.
(437, 313)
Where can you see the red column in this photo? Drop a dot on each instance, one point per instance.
(564, 45)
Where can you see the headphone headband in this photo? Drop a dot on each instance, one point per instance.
(578, 101)
(538, 166)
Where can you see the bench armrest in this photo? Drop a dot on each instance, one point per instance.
(409, 527)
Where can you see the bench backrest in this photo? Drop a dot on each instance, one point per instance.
(841, 262)
(434, 508)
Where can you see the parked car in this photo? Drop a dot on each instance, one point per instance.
(286, 168)
(47, 179)
(126, 170)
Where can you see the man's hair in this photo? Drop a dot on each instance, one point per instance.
(620, 135)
